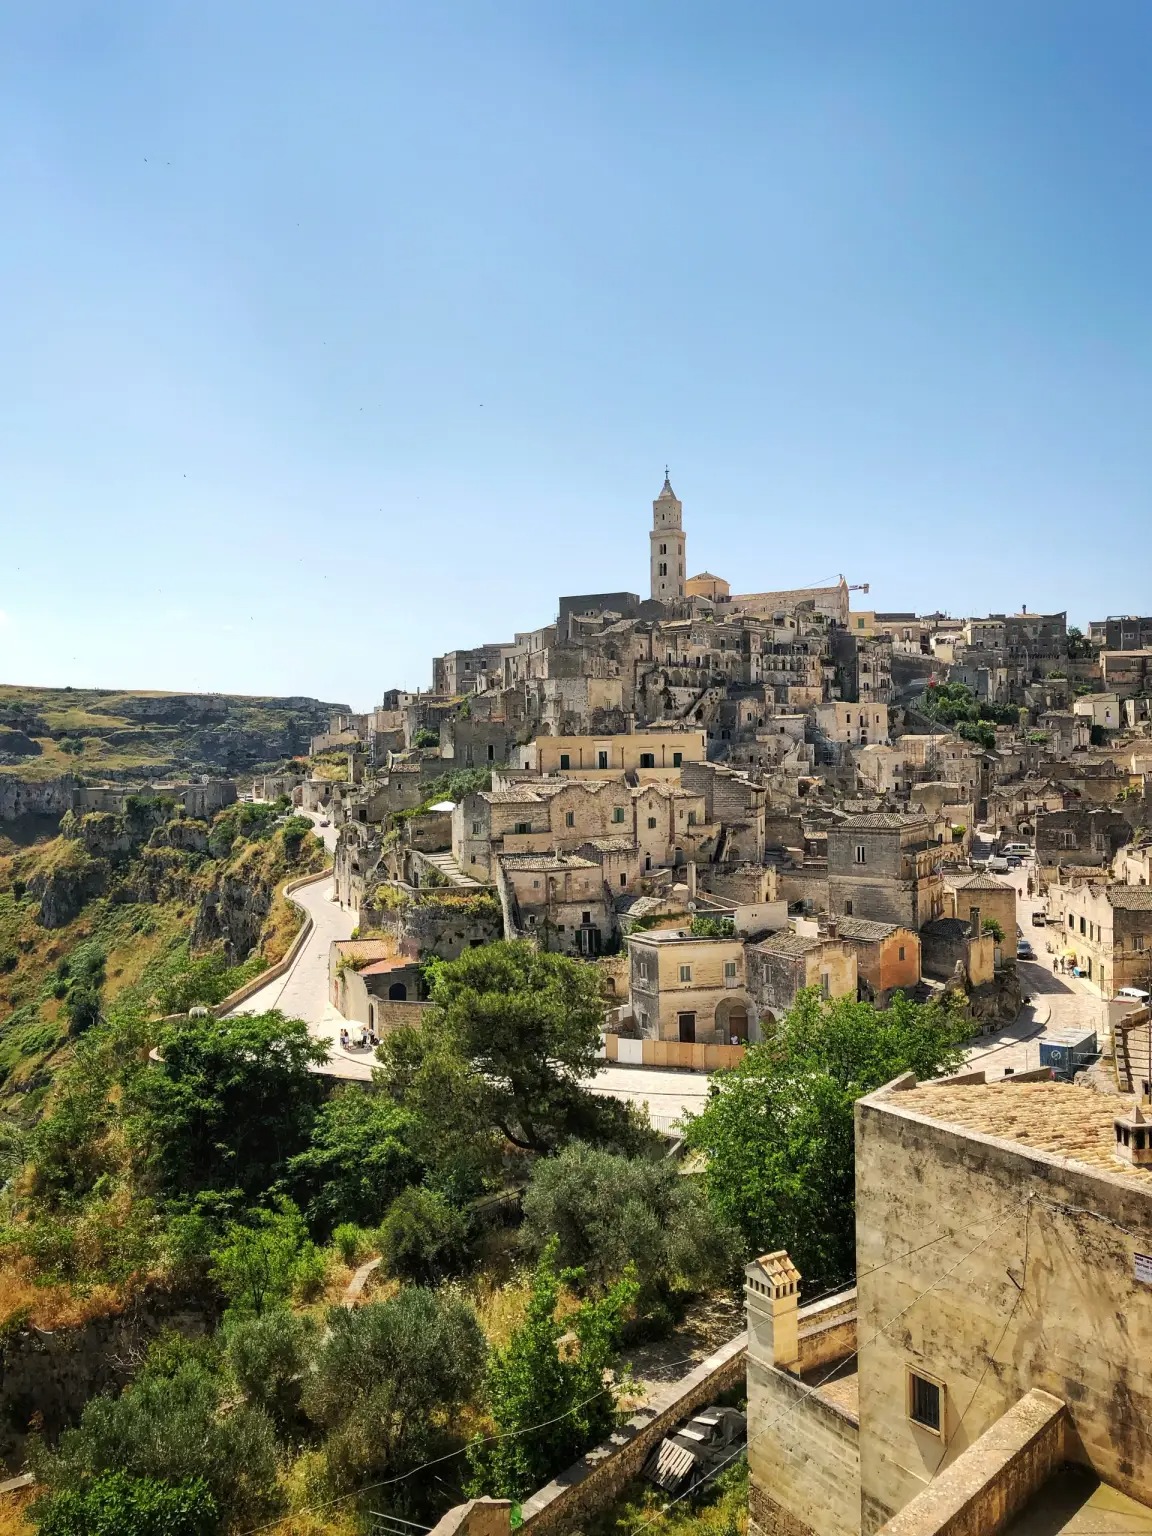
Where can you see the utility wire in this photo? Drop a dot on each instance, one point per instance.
(815, 1387)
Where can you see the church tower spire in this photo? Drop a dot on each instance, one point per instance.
(667, 540)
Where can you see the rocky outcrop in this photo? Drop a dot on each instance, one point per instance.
(47, 1377)
(232, 912)
(34, 797)
(17, 744)
(65, 887)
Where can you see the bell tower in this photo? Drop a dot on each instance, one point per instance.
(667, 538)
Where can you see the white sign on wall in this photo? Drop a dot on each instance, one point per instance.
(1142, 1267)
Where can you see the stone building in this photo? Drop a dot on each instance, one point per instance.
(991, 1363)
(557, 898)
(982, 896)
(1079, 837)
(1107, 929)
(690, 989)
(887, 957)
(784, 964)
(667, 540)
(651, 754)
(885, 867)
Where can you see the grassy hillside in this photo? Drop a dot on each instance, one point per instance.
(97, 733)
(135, 899)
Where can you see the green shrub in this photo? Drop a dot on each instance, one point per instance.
(423, 1238)
(350, 1242)
(118, 1505)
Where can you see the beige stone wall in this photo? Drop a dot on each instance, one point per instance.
(802, 1459)
(1022, 1288)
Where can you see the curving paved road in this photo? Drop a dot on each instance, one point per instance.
(302, 993)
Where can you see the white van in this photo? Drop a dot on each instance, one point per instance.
(998, 866)
(1021, 848)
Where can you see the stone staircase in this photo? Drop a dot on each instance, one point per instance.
(451, 871)
(1130, 1044)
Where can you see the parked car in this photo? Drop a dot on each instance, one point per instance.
(1039, 918)
(1024, 951)
(325, 821)
(1013, 860)
(998, 865)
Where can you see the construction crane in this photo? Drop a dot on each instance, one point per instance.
(858, 586)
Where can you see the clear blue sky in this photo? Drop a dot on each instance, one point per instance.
(337, 335)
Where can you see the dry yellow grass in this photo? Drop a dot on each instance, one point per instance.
(53, 1306)
(12, 1511)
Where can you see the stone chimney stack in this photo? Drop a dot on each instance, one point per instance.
(1134, 1137)
(772, 1301)
(691, 873)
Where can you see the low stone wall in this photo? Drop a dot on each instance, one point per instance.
(988, 1485)
(595, 1480)
(242, 994)
(479, 1517)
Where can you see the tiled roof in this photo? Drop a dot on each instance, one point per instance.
(1058, 1118)
(510, 796)
(880, 821)
(862, 929)
(1131, 898)
(379, 967)
(983, 883)
(947, 928)
(544, 861)
(788, 944)
(611, 844)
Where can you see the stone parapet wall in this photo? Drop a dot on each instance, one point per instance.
(567, 1502)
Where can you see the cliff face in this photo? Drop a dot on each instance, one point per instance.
(34, 797)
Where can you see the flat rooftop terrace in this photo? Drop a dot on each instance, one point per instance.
(1077, 1503)
(1060, 1119)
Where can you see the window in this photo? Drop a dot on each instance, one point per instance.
(476, 829)
(565, 760)
(473, 858)
(585, 917)
(729, 970)
(861, 854)
(925, 1401)
(677, 759)
(1083, 926)
(1138, 941)
(651, 823)
(859, 623)
(685, 973)
(825, 983)
(647, 759)
(847, 904)
(623, 879)
(617, 813)
(1071, 921)
(663, 549)
(901, 952)
(569, 818)
(491, 754)
(523, 826)
(691, 818)
(601, 759)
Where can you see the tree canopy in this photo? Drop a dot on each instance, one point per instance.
(230, 1102)
(777, 1130)
(607, 1212)
(513, 1034)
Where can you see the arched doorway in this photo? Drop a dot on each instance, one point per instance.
(732, 1021)
(397, 992)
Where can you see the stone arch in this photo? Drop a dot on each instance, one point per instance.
(397, 992)
(734, 1017)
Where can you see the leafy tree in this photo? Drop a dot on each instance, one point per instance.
(607, 1212)
(990, 925)
(777, 1130)
(82, 975)
(260, 1263)
(294, 831)
(513, 1033)
(231, 1102)
(387, 1379)
(423, 1237)
(360, 1158)
(117, 1505)
(426, 739)
(173, 1429)
(713, 927)
(267, 1356)
(557, 1393)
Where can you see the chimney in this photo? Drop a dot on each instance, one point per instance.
(772, 1300)
(1133, 1138)
(691, 872)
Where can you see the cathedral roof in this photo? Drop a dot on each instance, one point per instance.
(667, 493)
